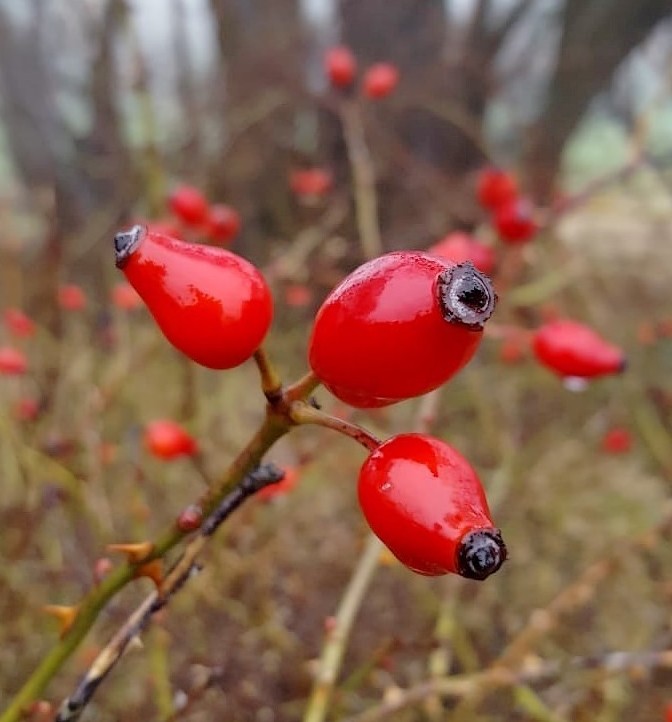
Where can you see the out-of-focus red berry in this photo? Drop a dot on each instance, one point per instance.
(340, 66)
(298, 295)
(223, 223)
(646, 333)
(514, 349)
(290, 480)
(107, 452)
(189, 205)
(514, 221)
(570, 348)
(71, 297)
(617, 440)
(668, 712)
(167, 440)
(26, 409)
(495, 187)
(101, 568)
(162, 228)
(190, 518)
(13, 362)
(310, 182)
(380, 80)
(18, 323)
(460, 247)
(125, 297)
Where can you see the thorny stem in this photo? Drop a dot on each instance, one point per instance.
(284, 411)
(363, 177)
(181, 572)
(273, 428)
(301, 413)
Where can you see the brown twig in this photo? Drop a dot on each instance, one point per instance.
(182, 571)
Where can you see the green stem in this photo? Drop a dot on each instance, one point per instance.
(363, 178)
(273, 428)
(334, 649)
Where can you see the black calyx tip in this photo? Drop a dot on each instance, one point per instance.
(125, 242)
(466, 296)
(481, 553)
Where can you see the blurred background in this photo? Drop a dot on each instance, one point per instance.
(107, 106)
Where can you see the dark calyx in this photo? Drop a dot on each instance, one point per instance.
(466, 296)
(481, 553)
(126, 242)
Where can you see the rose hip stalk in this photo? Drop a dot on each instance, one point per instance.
(211, 304)
(399, 326)
(426, 504)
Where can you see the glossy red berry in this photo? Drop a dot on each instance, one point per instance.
(310, 182)
(399, 326)
(570, 348)
(189, 205)
(459, 247)
(514, 221)
(340, 66)
(26, 409)
(18, 323)
(617, 440)
(71, 297)
(167, 440)
(211, 304)
(380, 80)
(425, 502)
(12, 361)
(223, 223)
(495, 187)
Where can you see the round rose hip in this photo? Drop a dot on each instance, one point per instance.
(495, 187)
(399, 326)
(425, 502)
(188, 204)
(380, 80)
(340, 66)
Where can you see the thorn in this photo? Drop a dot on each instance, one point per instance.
(64, 615)
(134, 552)
(135, 643)
(152, 570)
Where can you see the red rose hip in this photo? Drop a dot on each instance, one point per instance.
(459, 247)
(514, 221)
(189, 205)
(399, 326)
(340, 66)
(167, 440)
(495, 187)
(211, 304)
(223, 223)
(425, 502)
(570, 348)
(380, 80)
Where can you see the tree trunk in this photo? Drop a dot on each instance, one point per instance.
(596, 38)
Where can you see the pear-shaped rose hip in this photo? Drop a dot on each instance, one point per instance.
(425, 502)
(211, 304)
(399, 326)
